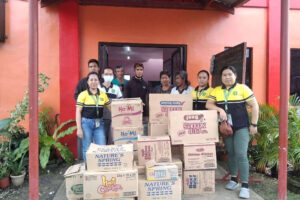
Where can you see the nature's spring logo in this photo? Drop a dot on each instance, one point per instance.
(109, 185)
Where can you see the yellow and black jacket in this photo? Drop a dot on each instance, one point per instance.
(200, 97)
(89, 109)
(239, 95)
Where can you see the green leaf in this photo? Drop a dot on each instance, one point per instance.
(22, 149)
(61, 126)
(44, 156)
(46, 141)
(69, 131)
(65, 153)
(6, 134)
(4, 123)
(294, 100)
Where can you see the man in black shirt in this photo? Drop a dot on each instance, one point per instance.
(137, 87)
(82, 85)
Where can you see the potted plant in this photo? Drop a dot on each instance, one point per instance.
(294, 151)
(5, 161)
(265, 153)
(5, 153)
(18, 171)
(46, 142)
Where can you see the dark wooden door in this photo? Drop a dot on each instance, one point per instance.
(103, 57)
(234, 56)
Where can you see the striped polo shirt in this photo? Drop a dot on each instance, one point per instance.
(88, 104)
(200, 97)
(239, 95)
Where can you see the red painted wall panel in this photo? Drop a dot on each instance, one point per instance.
(273, 54)
(69, 65)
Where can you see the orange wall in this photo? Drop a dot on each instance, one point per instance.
(294, 29)
(14, 56)
(205, 32)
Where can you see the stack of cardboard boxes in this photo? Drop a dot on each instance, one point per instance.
(158, 172)
(109, 174)
(196, 132)
(159, 178)
(127, 120)
(159, 107)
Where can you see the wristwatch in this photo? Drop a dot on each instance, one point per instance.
(254, 125)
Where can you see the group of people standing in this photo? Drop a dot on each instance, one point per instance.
(94, 93)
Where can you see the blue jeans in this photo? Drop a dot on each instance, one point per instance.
(91, 134)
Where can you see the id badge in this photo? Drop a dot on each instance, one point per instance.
(229, 119)
(97, 123)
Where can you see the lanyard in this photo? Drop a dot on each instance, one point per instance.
(226, 95)
(201, 93)
(97, 103)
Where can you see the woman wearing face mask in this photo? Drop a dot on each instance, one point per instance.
(230, 100)
(202, 91)
(89, 114)
(113, 92)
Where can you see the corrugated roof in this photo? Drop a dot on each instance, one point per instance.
(222, 5)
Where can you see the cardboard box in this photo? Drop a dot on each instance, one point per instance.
(141, 169)
(199, 181)
(97, 185)
(161, 104)
(157, 148)
(200, 156)
(193, 127)
(135, 155)
(121, 198)
(178, 163)
(157, 129)
(126, 112)
(127, 135)
(162, 171)
(167, 189)
(109, 157)
(74, 181)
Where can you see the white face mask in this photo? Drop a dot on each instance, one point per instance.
(108, 78)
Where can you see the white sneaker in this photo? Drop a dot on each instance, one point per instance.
(244, 193)
(232, 185)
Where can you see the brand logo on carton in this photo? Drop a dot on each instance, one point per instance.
(194, 117)
(196, 126)
(126, 108)
(191, 181)
(159, 188)
(146, 152)
(77, 189)
(200, 149)
(128, 133)
(109, 185)
(181, 133)
(172, 103)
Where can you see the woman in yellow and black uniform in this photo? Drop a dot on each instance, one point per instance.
(89, 114)
(202, 91)
(230, 100)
